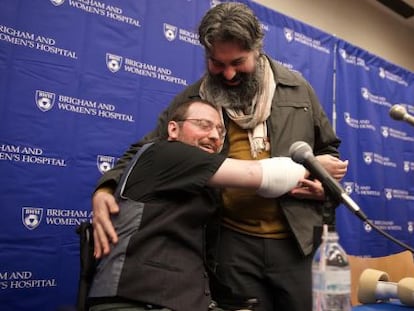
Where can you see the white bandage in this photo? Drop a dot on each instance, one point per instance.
(279, 175)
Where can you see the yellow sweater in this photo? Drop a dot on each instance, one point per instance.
(244, 211)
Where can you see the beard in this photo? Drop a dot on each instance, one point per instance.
(239, 96)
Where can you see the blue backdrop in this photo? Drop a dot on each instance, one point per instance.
(80, 80)
(380, 150)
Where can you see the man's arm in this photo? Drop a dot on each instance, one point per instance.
(271, 177)
(104, 204)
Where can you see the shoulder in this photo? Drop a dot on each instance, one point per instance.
(180, 159)
(177, 146)
(182, 151)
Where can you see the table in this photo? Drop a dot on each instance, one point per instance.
(389, 306)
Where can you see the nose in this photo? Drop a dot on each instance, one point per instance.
(229, 73)
(214, 133)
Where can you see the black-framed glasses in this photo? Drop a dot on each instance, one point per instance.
(207, 125)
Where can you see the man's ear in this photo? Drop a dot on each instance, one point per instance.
(173, 130)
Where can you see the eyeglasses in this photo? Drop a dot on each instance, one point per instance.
(207, 126)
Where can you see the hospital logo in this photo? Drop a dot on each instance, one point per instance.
(347, 117)
(385, 131)
(31, 217)
(289, 33)
(113, 62)
(343, 54)
(406, 166)
(410, 227)
(368, 157)
(57, 2)
(381, 73)
(388, 193)
(349, 187)
(104, 163)
(385, 74)
(364, 93)
(44, 100)
(367, 227)
(170, 32)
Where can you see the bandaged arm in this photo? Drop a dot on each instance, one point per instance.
(271, 177)
(279, 175)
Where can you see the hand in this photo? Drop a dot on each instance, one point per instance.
(309, 189)
(334, 166)
(103, 205)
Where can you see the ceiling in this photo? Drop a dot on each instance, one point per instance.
(400, 10)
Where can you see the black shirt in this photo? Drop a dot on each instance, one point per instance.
(171, 167)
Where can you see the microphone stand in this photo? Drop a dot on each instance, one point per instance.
(351, 205)
(328, 218)
(389, 236)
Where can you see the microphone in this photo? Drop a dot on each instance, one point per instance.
(302, 153)
(398, 112)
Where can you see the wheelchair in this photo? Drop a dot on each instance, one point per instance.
(224, 298)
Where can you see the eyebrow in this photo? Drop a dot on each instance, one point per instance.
(242, 58)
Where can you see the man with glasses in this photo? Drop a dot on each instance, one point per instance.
(166, 200)
(266, 251)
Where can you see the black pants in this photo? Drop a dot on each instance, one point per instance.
(274, 271)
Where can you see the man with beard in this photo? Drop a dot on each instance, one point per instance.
(265, 252)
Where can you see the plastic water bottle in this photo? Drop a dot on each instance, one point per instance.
(331, 275)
